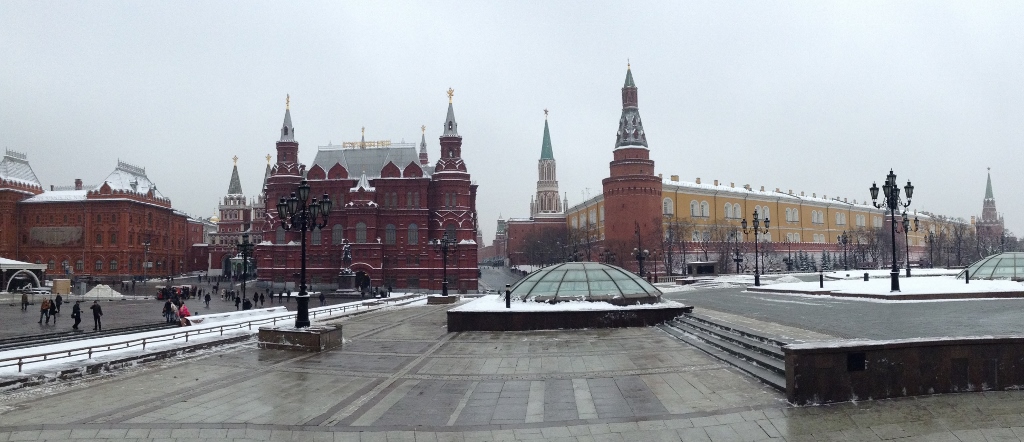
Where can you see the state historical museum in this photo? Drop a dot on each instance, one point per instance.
(389, 203)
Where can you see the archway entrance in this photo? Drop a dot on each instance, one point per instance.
(362, 280)
(22, 278)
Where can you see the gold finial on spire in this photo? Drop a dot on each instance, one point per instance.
(287, 101)
(268, 159)
(423, 129)
(450, 93)
(545, 113)
(235, 159)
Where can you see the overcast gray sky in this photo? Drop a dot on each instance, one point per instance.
(814, 96)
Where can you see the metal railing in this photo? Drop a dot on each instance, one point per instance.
(194, 331)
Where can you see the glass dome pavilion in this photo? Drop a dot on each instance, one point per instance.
(586, 281)
(1007, 265)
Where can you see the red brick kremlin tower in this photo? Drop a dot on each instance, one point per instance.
(632, 192)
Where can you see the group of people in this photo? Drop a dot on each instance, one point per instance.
(50, 309)
(247, 304)
(176, 312)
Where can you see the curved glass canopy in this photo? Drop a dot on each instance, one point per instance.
(1008, 265)
(586, 281)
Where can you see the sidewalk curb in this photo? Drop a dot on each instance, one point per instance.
(9, 385)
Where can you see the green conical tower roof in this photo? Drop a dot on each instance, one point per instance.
(629, 77)
(988, 186)
(235, 186)
(545, 148)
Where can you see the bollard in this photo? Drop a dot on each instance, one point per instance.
(967, 276)
(508, 296)
(865, 276)
(821, 280)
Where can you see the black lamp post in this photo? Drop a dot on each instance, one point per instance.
(245, 249)
(145, 259)
(930, 237)
(738, 259)
(844, 240)
(757, 231)
(639, 253)
(891, 201)
(444, 246)
(906, 236)
(299, 214)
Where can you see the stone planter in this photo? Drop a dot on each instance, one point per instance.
(432, 300)
(314, 338)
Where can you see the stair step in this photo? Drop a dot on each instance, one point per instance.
(739, 330)
(727, 334)
(770, 377)
(775, 364)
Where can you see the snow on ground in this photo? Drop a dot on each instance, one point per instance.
(216, 321)
(496, 303)
(908, 286)
(884, 273)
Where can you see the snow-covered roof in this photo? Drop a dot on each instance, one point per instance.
(58, 196)
(11, 264)
(467, 242)
(369, 161)
(15, 167)
(363, 184)
(131, 178)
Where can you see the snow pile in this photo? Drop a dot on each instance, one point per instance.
(787, 280)
(937, 285)
(884, 273)
(103, 291)
(230, 316)
(496, 303)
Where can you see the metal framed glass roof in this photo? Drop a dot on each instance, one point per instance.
(585, 281)
(1007, 265)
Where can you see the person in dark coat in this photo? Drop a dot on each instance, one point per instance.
(262, 299)
(247, 304)
(207, 299)
(97, 311)
(60, 300)
(323, 300)
(76, 314)
(167, 311)
(238, 302)
(52, 313)
(24, 302)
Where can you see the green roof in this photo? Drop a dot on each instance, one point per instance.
(988, 187)
(545, 148)
(629, 78)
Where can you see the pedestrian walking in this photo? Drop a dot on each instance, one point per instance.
(44, 311)
(247, 304)
(238, 302)
(52, 313)
(167, 311)
(60, 301)
(323, 299)
(97, 312)
(207, 299)
(183, 313)
(24, 302)
(76, 314)
(262, 299)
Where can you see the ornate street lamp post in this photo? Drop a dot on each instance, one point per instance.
(906, 235)
(245, 249)
(639, 253)
(844, 240)
(757, 231)
(145, 259)
(930, 237)
(298, 214)
(444, 246)
(738, 259)
(891, 201)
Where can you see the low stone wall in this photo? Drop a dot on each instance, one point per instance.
(823, 372)
(896, 297)
(533, 320)
(314, 338)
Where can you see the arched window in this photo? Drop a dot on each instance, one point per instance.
(113, 264)
(99, 265)
(728, 210)
(280, 235)
(575, 224)
(450, 231)
(694, 209)
(767, 213)
(705, 210)
(337, 234)
(79, 265)
(389, 234)
(361, 232)
(667, 207)
(601, 213)
(757, 212)
(736, 212)
(414, 234)
(317, 236)
(593, 216)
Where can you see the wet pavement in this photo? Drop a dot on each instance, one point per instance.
(400, 376)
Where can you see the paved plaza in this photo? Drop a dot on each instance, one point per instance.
(401, 377)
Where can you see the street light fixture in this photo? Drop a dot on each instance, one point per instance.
(844, 240)
(639, 253)
(738, 259)
(891, 201)
(444, 246)
(245, 249)
(300, 215)
(757, 231)
(145, 259)
(906, 235)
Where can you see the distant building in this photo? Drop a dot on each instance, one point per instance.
(388, 205)
(97, 231)
(539, 239)
(989, 227)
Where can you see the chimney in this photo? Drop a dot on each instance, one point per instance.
(777, 190)
(733, 185)
(659, 176)
(746, 186)
(78, 184)
(790, 191)
(716, 183)
(51, 187)
(802, 193)
(698, 180)
(674, 178)
(844, 200)
(762, 188)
